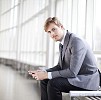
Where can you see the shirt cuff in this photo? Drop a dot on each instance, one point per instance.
(49, 75)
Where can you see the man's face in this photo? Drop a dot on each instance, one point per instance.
(55, 32)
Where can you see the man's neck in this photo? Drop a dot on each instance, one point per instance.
(62, 41)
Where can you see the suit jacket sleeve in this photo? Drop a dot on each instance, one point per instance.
(55, 68)
(78, 51)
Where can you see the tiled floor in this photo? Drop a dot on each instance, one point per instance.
(13, 86)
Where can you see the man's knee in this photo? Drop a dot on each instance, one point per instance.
(44, 82)
(51, 84)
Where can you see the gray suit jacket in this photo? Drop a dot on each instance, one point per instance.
(78, 64)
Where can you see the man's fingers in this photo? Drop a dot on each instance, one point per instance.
(35, 77)
(31, 72)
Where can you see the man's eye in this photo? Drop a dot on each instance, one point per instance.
(53, 29)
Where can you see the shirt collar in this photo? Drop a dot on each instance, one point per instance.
(62, 41)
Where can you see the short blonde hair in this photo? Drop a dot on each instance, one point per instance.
(51, 20)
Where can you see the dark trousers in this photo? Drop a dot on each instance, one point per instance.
(52, 89)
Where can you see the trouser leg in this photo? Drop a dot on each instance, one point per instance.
(52, 89)
(43, 85)
(53, 92)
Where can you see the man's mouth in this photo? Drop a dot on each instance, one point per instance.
(55, 37)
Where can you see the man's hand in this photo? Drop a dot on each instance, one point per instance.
(39, 74)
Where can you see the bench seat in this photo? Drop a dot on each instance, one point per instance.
(89, 95)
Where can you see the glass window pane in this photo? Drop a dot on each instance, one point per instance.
(97, 26)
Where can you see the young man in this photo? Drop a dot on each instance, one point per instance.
(76, 69)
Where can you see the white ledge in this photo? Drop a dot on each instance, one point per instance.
(84, 93)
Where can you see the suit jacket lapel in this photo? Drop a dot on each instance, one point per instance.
(66, 42)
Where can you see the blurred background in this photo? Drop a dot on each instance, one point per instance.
(25, 46)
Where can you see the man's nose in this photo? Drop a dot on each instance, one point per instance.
(52, 33)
